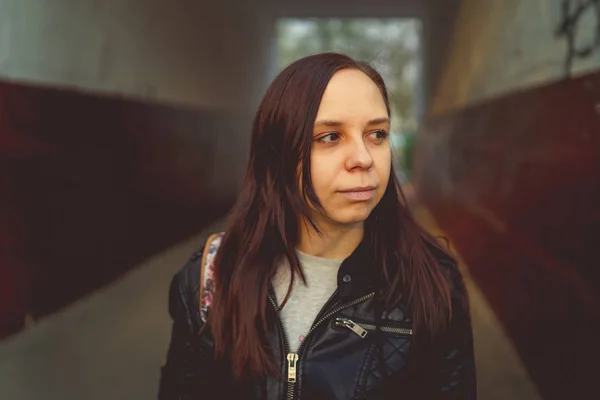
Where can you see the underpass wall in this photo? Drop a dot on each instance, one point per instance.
(124, 128)
(509, 164)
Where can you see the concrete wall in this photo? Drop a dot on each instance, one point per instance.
(500, 46)
(209, 55)
(508, 165)
(130, 120)
(183, 52)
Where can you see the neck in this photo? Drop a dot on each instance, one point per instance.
(336, 242)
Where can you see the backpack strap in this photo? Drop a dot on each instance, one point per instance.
(207, 273)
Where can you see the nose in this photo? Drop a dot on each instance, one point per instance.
(359, 156)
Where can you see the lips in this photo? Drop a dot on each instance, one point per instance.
(363, 193)
(359, 189)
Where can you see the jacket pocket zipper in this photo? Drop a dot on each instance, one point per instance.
(362, 330)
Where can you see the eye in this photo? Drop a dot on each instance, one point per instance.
(379, 135)
(329, 138)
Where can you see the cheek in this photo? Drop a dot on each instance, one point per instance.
(323, 172)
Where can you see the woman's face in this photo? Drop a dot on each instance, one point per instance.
(351, 154)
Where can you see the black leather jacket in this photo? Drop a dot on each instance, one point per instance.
(343, 357)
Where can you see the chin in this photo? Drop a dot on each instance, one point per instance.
(351, 216)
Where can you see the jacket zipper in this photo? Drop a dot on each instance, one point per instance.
(291, 360)
(294, 358)
(363, 329)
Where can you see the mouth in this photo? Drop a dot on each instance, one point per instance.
(361, 193)
(359, 189)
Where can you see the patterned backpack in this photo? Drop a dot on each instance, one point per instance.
(207, 273)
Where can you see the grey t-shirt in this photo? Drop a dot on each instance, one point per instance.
(305, 301)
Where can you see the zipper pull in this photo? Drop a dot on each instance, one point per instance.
(292, 359)
(354, 327)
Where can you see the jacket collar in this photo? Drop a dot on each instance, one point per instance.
(357, 275)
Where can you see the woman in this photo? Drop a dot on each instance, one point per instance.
(325, 287)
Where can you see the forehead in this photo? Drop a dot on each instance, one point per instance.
(351, 96)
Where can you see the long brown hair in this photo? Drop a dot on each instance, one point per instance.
(263, 224)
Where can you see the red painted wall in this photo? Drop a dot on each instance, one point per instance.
(90, 186)
(515, 183)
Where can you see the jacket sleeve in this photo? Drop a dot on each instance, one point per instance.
(455, 377)
(188, 361)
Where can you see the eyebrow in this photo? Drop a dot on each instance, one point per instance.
(330, 123)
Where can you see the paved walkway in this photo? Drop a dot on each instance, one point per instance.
(110, 344)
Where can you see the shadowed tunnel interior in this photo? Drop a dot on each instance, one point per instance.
(82, 175)
(514, 183)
